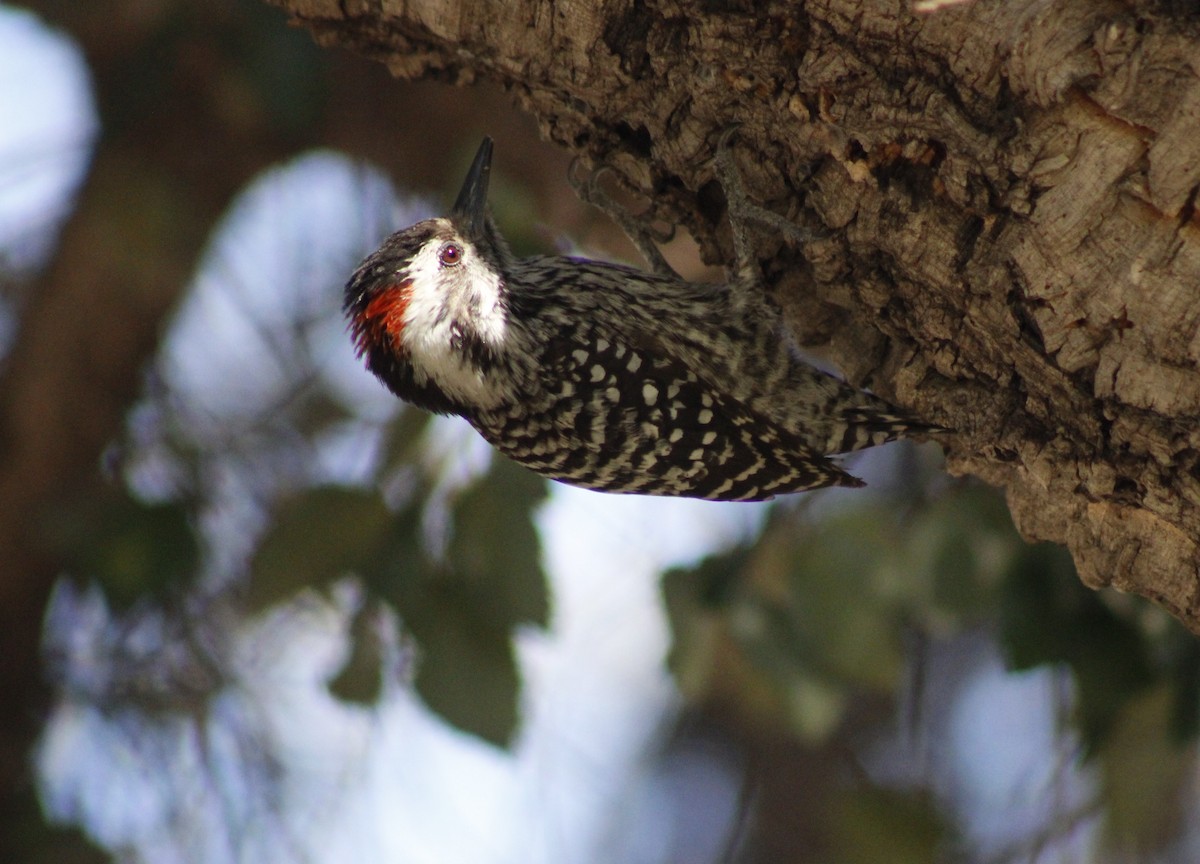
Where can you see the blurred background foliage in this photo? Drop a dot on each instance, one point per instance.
(206, 502)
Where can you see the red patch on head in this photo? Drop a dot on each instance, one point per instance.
(382, 319)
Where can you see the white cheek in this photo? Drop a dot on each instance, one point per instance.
(491, 321)
(432, 310)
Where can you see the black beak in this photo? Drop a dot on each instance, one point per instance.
(470, 209)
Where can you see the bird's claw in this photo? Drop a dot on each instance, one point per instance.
(638, 228)
(742, 211)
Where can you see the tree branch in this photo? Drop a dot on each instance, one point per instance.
(1005, 194)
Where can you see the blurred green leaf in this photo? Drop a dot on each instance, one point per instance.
(837, 594)
(842, 621)
(280, 69)
(963, 543)
(316, 411)
(513, 204)
(709, 584)
(1144, 769)
(466, 667)
(316, 538)
(404, 439)
(360, 680)
(815, 707)
(871, 825)
(460, 613)
(1047, 616)
(494, 549)
(133, 550)
(1183, 663)
(31, 838)
(694, 598)
(402, 562)
(828, 602)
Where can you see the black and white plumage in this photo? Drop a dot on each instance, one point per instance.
(602, 375)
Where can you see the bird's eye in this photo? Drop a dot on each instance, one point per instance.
(450, 254)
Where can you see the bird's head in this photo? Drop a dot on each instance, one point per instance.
(429, 308)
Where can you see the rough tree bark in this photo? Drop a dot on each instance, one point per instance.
(1004, 195)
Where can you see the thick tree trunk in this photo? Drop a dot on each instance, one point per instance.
(1004, 194)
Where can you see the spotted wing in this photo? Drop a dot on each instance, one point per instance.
(620, 419)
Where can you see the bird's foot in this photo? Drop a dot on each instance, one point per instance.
(640, 231)
(742, 211)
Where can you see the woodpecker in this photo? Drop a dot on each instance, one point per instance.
(601, 375)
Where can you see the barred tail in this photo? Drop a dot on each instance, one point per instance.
(866, 427)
